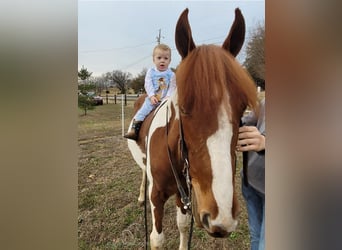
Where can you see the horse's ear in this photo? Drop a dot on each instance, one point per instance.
(236, 36)
(183, 36)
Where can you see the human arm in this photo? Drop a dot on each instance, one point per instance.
(252, 133)
(149, 88)
(250, 139)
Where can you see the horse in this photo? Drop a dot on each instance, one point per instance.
(186, 147)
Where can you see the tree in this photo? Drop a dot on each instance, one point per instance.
(255, 55)
(120, 79)
(85, 88)
(139, 81)
(85, 103)
(84, 74)
(84, 100)
(100, 83)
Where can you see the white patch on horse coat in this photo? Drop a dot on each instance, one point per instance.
(139, 156)
(157, 240)
(222, 186)
(183, 224)
(136, 151)
(174, 101)
(159, 120)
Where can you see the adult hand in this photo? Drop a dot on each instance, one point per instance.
(250, 139)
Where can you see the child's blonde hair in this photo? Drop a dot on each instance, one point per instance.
(162, 47)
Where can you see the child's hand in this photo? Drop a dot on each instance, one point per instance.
(154, 100)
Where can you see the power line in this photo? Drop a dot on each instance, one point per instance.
(136, 62)
(158, 40)
(159, 37)
(112, 49)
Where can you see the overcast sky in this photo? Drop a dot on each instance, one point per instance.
(120, 35)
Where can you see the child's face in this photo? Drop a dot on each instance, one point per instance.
(162, 59)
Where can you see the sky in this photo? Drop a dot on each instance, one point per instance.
(120, 35)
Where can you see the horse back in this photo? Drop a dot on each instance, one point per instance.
(141, 141)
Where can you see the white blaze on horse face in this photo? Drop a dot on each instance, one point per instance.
(222, 185)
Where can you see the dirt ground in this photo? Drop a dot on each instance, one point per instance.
(108, 187)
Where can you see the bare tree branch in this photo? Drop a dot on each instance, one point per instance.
(255, 55)
(120, 79)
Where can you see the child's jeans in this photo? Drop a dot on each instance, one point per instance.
(145, 109)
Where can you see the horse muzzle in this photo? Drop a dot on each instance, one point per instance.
(216, 230)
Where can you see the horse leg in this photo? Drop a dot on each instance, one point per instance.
(141, 198)
(183, 224)
(157, 202)
(157, 240)
(139, 157)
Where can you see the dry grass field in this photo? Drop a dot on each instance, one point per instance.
(108, 184)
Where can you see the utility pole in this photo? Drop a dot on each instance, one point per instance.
(159, 36)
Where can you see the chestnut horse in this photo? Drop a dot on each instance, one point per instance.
(198, 126)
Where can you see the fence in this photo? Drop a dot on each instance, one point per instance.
(109, 99)
(120, 99)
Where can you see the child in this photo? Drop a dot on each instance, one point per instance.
(160, 83)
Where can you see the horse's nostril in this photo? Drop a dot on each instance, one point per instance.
(217, 235)
(205, 220)
(219, 232)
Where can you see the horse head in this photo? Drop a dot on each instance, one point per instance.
(213, 91)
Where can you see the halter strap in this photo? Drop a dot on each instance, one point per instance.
(184, 155)
(244, 164)
(185, 199)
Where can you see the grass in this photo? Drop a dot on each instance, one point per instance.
(108, 187)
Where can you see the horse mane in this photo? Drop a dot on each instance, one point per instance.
(205, 75)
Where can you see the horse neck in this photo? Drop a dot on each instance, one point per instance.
(173, 124)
